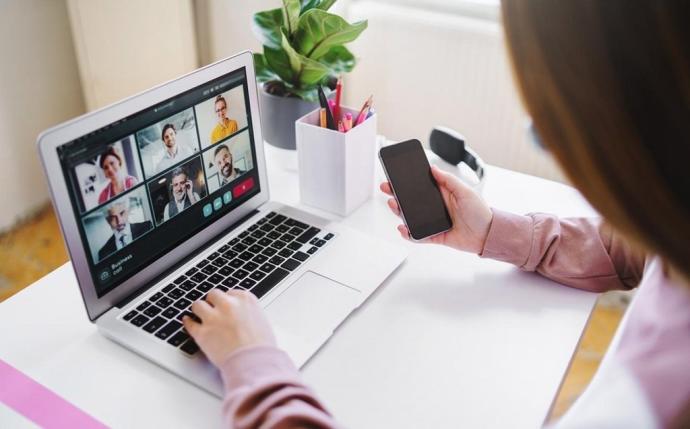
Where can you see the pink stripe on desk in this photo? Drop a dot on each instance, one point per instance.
(38, 404)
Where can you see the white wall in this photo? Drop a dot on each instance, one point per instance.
(39, 87)
(126, 46)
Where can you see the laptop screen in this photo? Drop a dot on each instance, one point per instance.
(143, 185)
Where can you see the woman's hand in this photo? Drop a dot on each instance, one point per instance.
(470, 215)
(229, 321)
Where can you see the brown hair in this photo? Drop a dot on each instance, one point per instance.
(109, 151)
(608, 86)
(221, 98)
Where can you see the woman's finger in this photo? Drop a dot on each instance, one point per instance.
(393, 205)
(201, 309)
(386, 188)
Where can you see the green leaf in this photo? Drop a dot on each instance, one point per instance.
(291, 10)
(263, 72)
(339, 59)
(326, 4)
(278, 61)
(318, 31)
(307, 94)
(266, 26)
(316, 4)
(308, 71)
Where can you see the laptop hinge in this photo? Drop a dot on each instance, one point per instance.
(132, 296)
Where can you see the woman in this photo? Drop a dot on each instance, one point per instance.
(118, 182)
(608, 86)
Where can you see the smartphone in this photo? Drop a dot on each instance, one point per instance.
(421, 204)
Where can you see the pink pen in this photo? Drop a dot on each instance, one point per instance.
(347, 123)
(363, 112)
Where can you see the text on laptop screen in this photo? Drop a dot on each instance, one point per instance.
(148, 182)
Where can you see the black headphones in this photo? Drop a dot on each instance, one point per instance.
(450, 146)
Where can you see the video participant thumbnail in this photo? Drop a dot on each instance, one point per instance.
(228, 160)
(114, 170)
(177, 190)
(221, 116)
(168, 142)
(118, 224)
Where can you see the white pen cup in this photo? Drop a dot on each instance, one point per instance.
(336, 169)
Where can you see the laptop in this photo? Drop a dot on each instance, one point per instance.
(163, 197)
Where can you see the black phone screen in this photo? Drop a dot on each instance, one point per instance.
(414, 187)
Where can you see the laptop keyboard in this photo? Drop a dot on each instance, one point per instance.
(256, 260)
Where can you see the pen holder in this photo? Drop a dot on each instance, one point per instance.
(336, 170)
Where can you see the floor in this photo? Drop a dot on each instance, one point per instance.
(35, 247)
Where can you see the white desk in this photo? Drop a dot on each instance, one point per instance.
(450, 340)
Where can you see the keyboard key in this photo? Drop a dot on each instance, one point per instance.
(226, 271)
(276, 260)
(260, 259)
(233, 241)
(258, 234)
(219, 262)
(282, 228)
(250, 266)
(267, 284)
(289, 222)
(171, 312)
(223, 248)
(290, 264)
(252, 228)
(230, 254)
(320, 243)
(314, 241)
(268, 267)
(168, 330)
(270, 215)
(249, 241)
(273, 235)
(188, 285)
(179, 280)
(265, 242)
(152, 311)
(239, 247)
(245, 256)
(191, 271)
(178, 339)
(176, 293)
(312, 250)
(190, 347)
(296, 231)
(169, 287)
(209, 269)
(230, 282)
(199, 277)
(182, 303)
(277, 219)
(295, 245)
(236, 263)
(266, 228)
(247, 283)
(269, 251)
(187, 313)
(302, 225)
(215, 279)
(222, 288)
(213, 256)
(130, 315)
(204, 287)
(143, 305)
(308, 235)
(256, 275)
(278, 244)
(255, 248)
(139, 320)
(300, 256)
(154, 324)
(329, 236)
(286, 253)
(262, 221)
(193, 295)
(240, 274)
(164, 302)
(243, 234)
(202, 264)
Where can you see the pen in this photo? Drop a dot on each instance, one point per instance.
(363, 112)
(341, 127)
(347, 122)
(331, 105)
(338, 91)
(330, 123)
(322, 117)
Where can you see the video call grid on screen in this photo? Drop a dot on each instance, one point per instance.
(125, 184)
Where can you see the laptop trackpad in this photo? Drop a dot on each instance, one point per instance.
(312, 306)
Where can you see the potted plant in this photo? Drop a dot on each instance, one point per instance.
(303, 47)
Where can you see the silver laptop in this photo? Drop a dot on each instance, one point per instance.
(164, 196)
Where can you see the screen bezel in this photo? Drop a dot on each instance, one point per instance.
(50, 140)
(418, 231)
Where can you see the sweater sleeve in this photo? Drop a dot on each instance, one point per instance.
(263, 390)
(579, 252)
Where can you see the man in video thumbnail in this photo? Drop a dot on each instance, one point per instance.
(117, 216)
(173, 153)
(222, 158)
(182, 192)
(225, 126)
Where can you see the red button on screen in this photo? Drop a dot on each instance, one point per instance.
(243, 187)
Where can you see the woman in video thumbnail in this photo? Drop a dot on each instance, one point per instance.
(225, 126)
(111, 164)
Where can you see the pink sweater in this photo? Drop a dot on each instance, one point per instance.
(651, 355)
